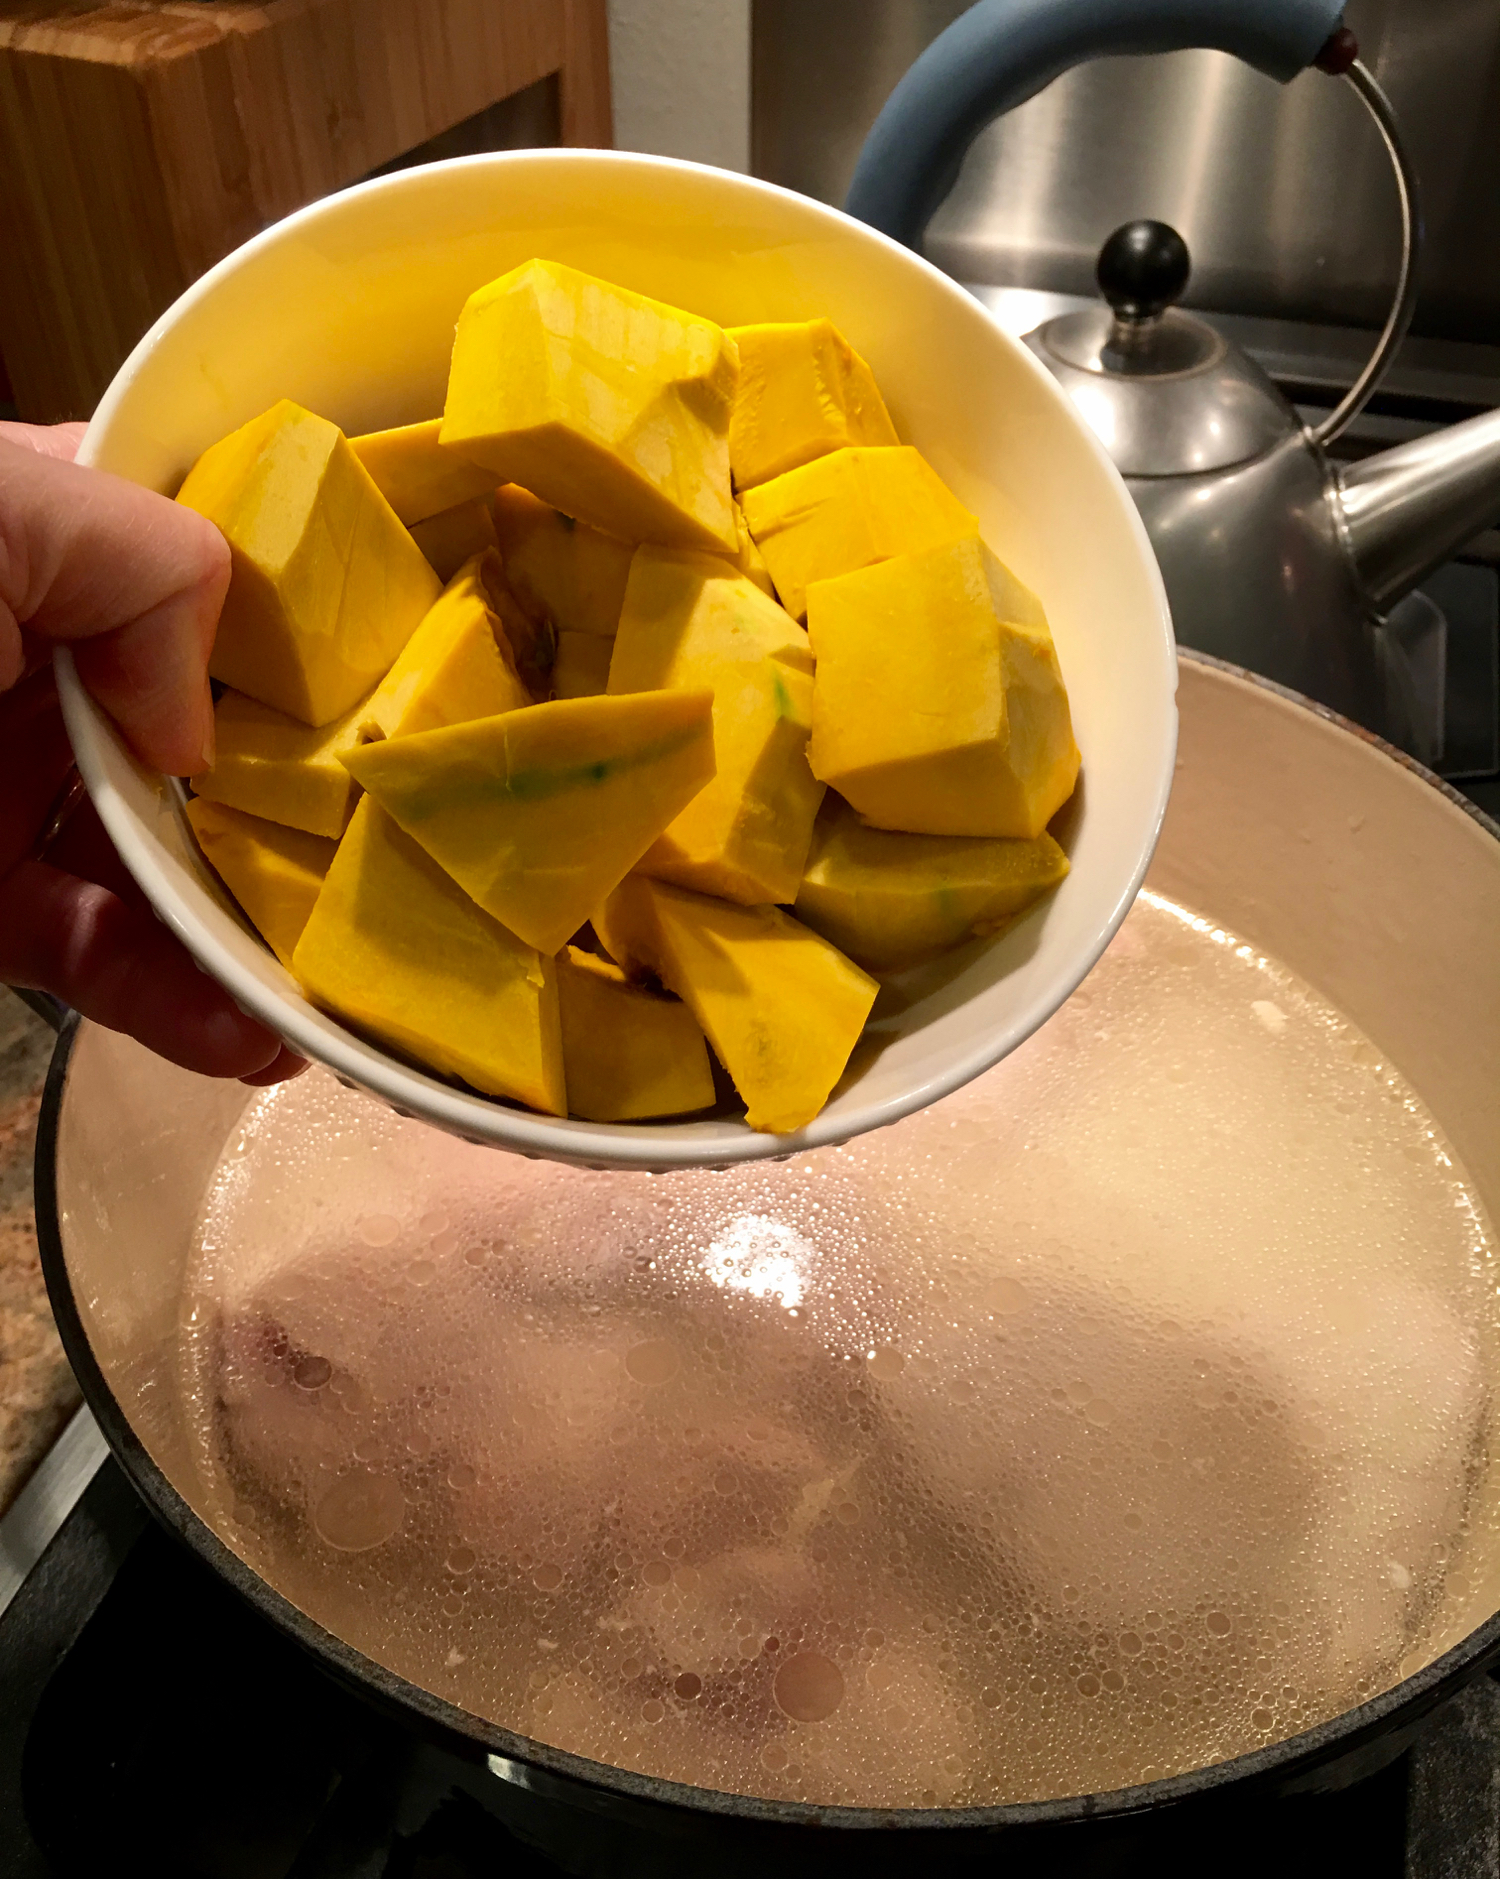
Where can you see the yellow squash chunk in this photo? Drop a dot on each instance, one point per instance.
(750, 561)
(397, 948)
(938, 706)
(274, 873)
(456, 666)
(890, 901)
(327, 585)
(804, 391)
(561, 570)
(628, 1053)
(582, 667)
(692, 623)
(610, 407)
(541, 813)
(782, 1008)
(270, 765)
(454, 536)
(847, 511)
(414, 473)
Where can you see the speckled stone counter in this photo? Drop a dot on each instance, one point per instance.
(37, 1391)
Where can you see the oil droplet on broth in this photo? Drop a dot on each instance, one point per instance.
(1095, 1421)
(653, 1363)
(809, 1687)
(360, 1512)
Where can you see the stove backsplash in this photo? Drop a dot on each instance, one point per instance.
(1283, 192)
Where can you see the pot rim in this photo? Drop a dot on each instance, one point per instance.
(1277, 1763)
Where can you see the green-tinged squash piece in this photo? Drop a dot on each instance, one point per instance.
(781, 1007)
(691, 622)
(540, 813)
(890, 901)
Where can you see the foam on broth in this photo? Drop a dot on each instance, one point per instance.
(1126, 1411)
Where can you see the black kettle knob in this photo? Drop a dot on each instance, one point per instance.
(1143, 269)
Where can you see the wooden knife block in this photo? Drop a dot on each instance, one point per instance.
(141, 142)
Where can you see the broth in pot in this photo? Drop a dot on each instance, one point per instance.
(1124, 1412)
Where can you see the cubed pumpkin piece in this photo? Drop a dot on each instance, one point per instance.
(275, 873)
(273, 766)
(582, 666)
(454, 536)
(610, 407)
(890, 901)
(938, 706)
(847, 511)
(415, 474)
(782, 1008)
(561, 570)
(691, 623)
(456, 666)
(804, 391)
(627, 1052)
(398, 949)
(541, 813)
(327, 586)
(750, 561)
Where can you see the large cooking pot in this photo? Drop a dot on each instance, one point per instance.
(1364, 874)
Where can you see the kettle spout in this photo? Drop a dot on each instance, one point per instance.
(1406, 511)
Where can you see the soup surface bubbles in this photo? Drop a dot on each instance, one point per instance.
(1124, 1412)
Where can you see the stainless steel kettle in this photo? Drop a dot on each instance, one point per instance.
(1273, 556)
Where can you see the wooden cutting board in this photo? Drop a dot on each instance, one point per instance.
(140, 142)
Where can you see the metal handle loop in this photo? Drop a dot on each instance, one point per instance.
(1404, 307)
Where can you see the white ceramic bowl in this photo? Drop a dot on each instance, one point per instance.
(349, 308)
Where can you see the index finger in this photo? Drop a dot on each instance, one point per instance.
(132, 581)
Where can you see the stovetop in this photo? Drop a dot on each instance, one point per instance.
(151, 1721)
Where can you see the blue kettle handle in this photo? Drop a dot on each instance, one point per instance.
(1002, 52)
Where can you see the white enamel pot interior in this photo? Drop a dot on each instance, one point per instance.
(1311, 842)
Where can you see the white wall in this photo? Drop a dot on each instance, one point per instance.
(680, 77)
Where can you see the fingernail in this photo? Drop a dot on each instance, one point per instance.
(210, 746)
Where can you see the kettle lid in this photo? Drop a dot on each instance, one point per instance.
(1166, 393)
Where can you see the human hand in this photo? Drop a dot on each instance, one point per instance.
(133, 583)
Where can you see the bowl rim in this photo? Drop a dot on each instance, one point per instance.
(1279, 1767)
(667, 1144)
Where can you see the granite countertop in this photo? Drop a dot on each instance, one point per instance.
(37, 1391)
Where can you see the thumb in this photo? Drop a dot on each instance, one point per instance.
(131, 581)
